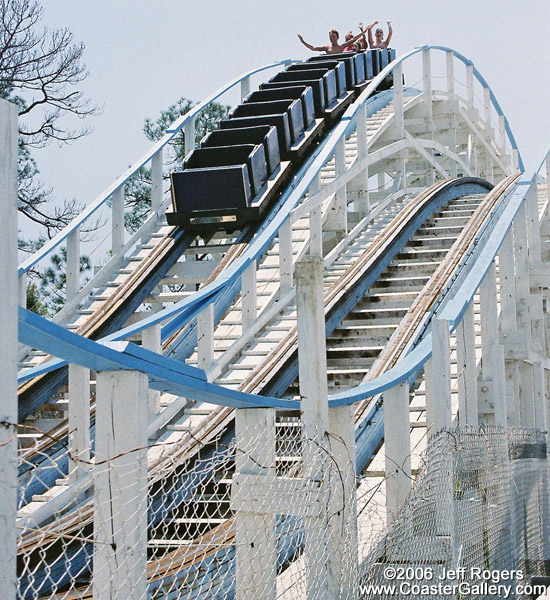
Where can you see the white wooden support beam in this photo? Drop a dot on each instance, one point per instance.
(508, 322)
(120, 486)
(79, 421)
(245, 87)
(151, 339)
(255, 534)
(157, 181)
(470, 88)
(399, 115)
(438, 379)
(540, 397)
(189, 135)
(361, 182)
(316, 222)
(8, 326)
(521, 250)
(314, 405)
(450, 71)
(487, 108)
(22, 289)
(286, 265)
(397, 444)
(312, 357)
(205, 337)
(340, 219)
(492, 387)
(72, 281)
(502, 138)
(343, 509)
(117, 235)
(467, 369)
(248, 294)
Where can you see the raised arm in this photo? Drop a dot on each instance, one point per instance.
(312, 48)
(368, 29)
(349, 42)
(363, 40)
(390, 33)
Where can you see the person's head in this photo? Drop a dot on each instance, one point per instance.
(379, 35)
(349, 36)
(333, 36)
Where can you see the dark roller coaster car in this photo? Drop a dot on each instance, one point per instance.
(240, 169)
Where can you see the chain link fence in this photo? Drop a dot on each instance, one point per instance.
(206, 516)
(477, 516)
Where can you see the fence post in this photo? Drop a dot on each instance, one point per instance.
(120, 486)
(8, 326)
(255, 533)
(343, 512)
(312, 360)
(397, 443)
(79, 421)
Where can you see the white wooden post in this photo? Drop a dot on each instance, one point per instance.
(117, 236)
(344, 502)
(72, 281)
(22, 286)
(492, 386)
(508, 324)
(450, 68)
(427, 86)
(156, 181)
(362, 180)
(189, 135)
(340, 221)
(397, 443)
(8, 326)
(449, 58)
(312, 362)
(286, 266)
(438, 379)
(502, 138)
(205, 337)
(249, 298)
(255, 533)
(79, 421)
(245, 87)
(316, 222)
(398, 102)
(467, 369)
(312, 356)
(120, 486)
(151, 339)
(470, 88)
(487, 108)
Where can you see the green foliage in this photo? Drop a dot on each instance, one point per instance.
(138, 190)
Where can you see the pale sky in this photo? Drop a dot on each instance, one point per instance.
(143, 56)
